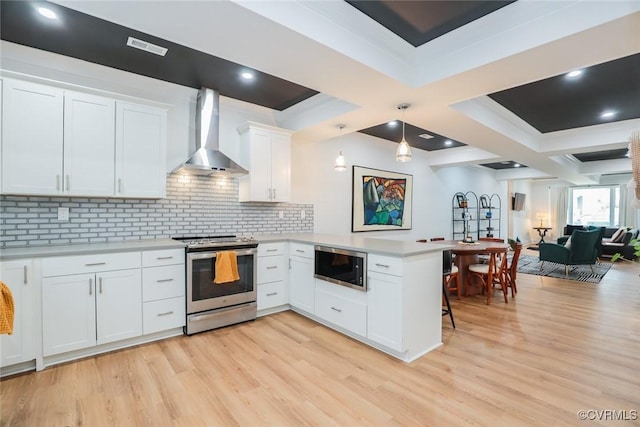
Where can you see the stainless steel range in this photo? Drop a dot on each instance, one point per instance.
(211, 305)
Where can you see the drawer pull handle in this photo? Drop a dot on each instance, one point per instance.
(119, 185)
(26, 278)
(165, 314)
(58, 182)
(382, 265)
(100, 281)
(68, 183)
(164, 280)
(336, 309)
(272, 267)
(90, 286)
(300, 250)
(92, 264)
(272, 294)
(272, 250)
(164, 257)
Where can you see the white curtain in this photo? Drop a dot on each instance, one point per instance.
(558, 205)
(629, 211)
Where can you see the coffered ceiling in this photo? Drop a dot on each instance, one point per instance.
(488, 76)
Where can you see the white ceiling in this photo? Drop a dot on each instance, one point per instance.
(364, 71)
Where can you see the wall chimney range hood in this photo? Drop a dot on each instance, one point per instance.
(207, 159)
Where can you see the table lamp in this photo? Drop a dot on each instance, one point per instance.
(540, 216)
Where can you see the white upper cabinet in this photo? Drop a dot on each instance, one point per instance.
(140, 151)
(89, 148)
(266, 150)
(32, 135)
(58, 142)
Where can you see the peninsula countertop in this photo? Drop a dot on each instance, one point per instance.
(397, 248)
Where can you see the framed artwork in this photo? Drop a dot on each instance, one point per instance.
(381, 200)
(460, 199)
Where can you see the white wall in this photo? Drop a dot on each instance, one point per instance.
(315, 181)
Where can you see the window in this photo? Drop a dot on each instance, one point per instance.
(599, 206)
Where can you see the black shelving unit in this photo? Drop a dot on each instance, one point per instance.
(489, 210)
(465, 213)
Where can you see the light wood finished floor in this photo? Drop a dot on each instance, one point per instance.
(560, 347)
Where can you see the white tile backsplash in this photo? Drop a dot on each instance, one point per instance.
(195, 205)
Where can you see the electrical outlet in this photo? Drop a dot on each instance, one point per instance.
(302, 214)
(281, 214)
(63, 214)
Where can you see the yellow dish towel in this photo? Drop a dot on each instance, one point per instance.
(226, 267)
(6, 310)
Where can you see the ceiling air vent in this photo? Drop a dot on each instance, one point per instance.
(142, 45)
(425, 136)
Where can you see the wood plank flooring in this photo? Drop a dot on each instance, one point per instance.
(558, 348)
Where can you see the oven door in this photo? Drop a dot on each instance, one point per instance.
(203, 294)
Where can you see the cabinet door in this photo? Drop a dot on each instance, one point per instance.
(140, 151)
(118, 305)
(257, 186)
(89, 145)
(384, 310)
(281, 167)
(68, 313)
(32, 118)
(20, 346)
(302, 284)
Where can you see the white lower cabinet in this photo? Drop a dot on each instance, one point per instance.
(301, 280)
(21, 346)
(103, 304)
(384, 317)
(163, 289)
(272, 291)
(341, 306)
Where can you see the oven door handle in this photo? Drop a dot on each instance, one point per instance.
(212, 253)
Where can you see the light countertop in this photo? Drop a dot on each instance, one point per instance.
(87, 248)
(396, 248)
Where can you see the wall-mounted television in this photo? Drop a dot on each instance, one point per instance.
(517, 202)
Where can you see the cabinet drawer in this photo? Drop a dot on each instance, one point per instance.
(162, 315)
(383, 264)
(162, 257)
(162, 282)
(301, 249)
(270, 269)
(348, 314)
(78, 264)
(267, 249)
(271, 295)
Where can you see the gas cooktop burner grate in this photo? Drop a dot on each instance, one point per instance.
(216, 241)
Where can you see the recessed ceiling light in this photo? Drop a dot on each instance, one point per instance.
(425, 136)
(392, 124)
(607, 114)
(516, 165)
(47, 13)
(448, 142)
(574, 74)
(504, 162)
(247, 75)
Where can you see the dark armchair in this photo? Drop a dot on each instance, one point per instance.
(583, 250)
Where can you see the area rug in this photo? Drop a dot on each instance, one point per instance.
(528, 264)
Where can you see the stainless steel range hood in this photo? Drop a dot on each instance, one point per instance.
(207, 158)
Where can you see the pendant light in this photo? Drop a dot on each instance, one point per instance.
(403, 153)
(340, 165)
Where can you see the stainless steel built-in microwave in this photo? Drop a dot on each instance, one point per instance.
(341, 266)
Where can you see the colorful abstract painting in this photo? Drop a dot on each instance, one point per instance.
(381, 200)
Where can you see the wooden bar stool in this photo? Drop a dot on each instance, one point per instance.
(446, 272)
